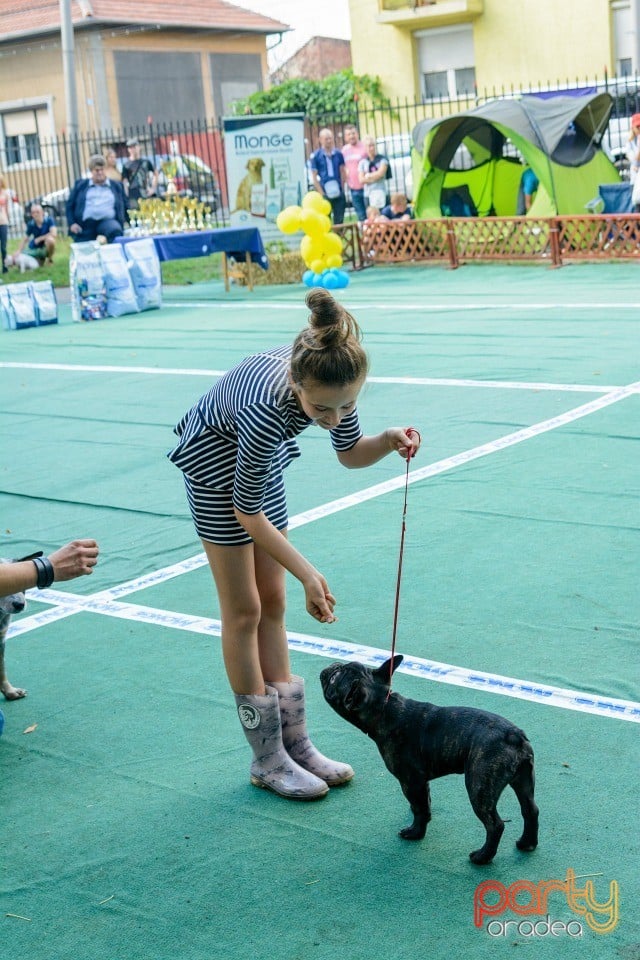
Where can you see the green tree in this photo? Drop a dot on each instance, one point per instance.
(338, 95)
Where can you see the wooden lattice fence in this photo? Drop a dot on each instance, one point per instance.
(462, 240)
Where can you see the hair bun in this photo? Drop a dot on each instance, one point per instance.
(328, 350)
(326, 311)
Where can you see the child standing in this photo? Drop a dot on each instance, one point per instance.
(233, 446)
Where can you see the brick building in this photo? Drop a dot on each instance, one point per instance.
(317, 59)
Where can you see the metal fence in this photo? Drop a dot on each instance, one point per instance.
(191, 154)
(188, 157)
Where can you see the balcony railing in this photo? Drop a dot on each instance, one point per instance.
(425, 13)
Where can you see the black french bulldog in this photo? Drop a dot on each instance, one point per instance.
(420, 742)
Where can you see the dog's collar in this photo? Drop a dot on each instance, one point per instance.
(32, 556)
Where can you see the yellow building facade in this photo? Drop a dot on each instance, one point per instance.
(430, 49)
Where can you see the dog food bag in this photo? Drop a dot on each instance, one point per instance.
(44, 297)
(24, 308)
(6, 310)
(146, 275)
(86, 280)
(121, 296)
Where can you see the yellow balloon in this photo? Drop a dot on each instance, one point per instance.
(314, 224)
(288, 220)
(315, 201)
(332, 244)
(318, 265)
(310, 249)
(334, 261)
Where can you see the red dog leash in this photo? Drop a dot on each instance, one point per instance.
(410, 431)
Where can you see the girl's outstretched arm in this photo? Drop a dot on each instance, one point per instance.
(368, 450)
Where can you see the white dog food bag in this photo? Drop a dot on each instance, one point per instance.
(87, 282)
(146, 275)
(6, 310)
(44, 297)
(23, 305)
(121, 296)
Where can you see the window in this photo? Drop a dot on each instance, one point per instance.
(436, 85)
(623, 37)
(465, 82)
(447, 62)
(22, 136)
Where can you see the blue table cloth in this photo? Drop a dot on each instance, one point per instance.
(233, 241)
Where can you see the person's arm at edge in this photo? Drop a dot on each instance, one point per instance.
(75, 559)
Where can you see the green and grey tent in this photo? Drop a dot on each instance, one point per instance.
(478, 156)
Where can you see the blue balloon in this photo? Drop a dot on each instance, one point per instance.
(318, 280)
(343, 279)
(307, 278)
(331, 282)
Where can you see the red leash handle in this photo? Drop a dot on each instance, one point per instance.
(410, 432)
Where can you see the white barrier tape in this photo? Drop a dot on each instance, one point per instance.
(343, 650)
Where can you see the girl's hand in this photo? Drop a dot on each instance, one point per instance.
(406, 441)
(320, 601)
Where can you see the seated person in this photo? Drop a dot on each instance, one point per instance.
(371, 228)
(398, 209)
(97, 206)
(374, 216)
(40, 238)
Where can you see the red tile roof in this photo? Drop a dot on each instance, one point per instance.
(21, 18)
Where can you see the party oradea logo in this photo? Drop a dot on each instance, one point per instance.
(531, 909)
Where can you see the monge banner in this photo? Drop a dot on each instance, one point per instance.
(265, 170)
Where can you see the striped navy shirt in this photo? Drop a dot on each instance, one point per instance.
(241, 433)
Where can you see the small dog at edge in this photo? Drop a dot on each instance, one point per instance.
(14, 603)
(420, 742)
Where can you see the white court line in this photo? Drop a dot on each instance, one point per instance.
(343, 650)
(103, 602)
(405, 381)
(422, 306)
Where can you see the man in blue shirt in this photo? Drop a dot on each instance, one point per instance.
(40, 236)
(330, 174)
(96, 206)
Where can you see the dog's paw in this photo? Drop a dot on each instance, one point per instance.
(525, 845)
(480, 858)
(12, 693)
(412, 833)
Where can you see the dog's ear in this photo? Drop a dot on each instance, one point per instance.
(384, 673)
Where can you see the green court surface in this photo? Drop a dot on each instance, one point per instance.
(130, 828)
